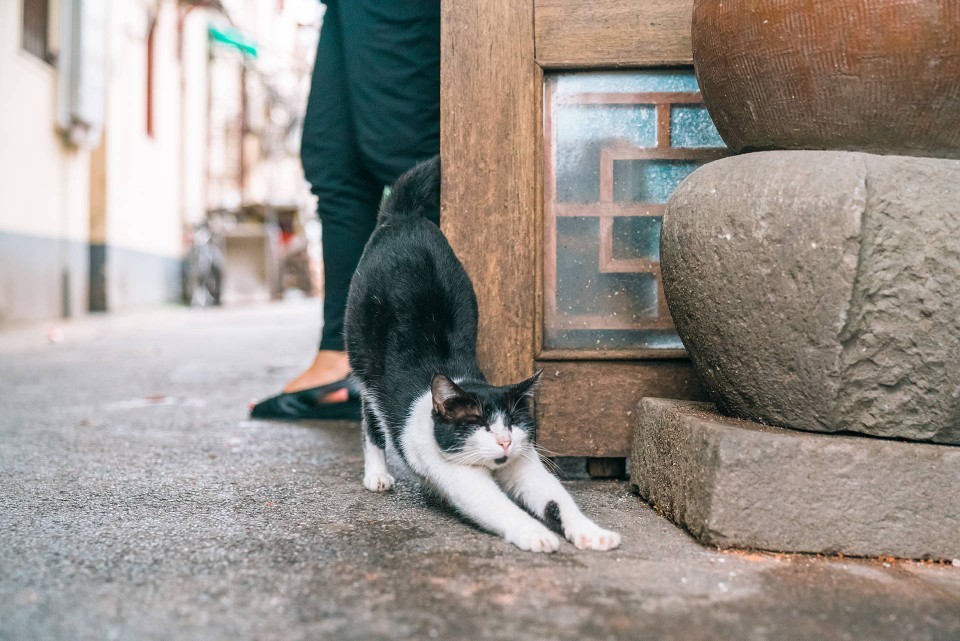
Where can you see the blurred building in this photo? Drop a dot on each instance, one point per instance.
(124, 123)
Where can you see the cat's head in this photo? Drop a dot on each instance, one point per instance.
(479, 424)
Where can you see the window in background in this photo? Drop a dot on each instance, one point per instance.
(617, 144)
(151, 45)
(36, 32)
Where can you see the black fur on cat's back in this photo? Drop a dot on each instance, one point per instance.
(411, 311)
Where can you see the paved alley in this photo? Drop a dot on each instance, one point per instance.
(138, 502)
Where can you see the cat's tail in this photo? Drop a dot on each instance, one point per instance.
(415, 194)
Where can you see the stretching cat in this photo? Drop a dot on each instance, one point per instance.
(411, 329)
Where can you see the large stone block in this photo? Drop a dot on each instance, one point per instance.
(821, 290)
(735, 483)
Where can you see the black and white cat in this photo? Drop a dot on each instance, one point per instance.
(411, 329)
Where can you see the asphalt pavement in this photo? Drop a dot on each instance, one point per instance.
(138, 501)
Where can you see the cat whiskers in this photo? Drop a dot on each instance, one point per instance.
(538, 451)
(543, 450)
(467, 458)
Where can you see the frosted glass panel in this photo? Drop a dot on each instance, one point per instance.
(649, 181)
(617, 144)
(581, 131)
(625, 82)
(636, 236)
(636, 124)
(692, 127)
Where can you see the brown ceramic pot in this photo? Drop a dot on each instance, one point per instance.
(868, 75)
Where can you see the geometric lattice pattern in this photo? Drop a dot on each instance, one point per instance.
(616, 146)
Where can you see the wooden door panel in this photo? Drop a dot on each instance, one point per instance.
(612, 33)
(493, 55)
(489, 100)
(588, 408)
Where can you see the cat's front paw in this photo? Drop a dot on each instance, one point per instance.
(535, 539)
(590, 536)
(378, 482)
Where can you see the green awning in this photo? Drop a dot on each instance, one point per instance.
(233, 38)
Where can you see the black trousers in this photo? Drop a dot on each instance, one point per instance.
(373, 112)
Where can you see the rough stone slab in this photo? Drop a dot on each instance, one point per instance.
(735, 483)
(821, 290)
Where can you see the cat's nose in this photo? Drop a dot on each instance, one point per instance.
(504, 442)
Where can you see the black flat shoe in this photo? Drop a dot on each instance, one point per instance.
(308, 404)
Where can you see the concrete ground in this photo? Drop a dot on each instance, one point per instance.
(138, 502)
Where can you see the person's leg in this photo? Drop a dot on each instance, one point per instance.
(392, 53)
(374, 112)
(348, 196)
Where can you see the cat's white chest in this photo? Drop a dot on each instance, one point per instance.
(417, 439)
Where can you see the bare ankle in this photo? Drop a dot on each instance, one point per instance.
(327, 366)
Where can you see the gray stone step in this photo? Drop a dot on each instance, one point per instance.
(735, 483)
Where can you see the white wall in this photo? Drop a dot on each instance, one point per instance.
(143, 177)
(155, 185)
(194, 154)
(45, 186)
(44, 189)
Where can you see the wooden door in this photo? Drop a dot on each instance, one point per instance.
(565, 124)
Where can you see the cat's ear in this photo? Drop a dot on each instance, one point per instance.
(451, 402)
(444, 390)
(528, 387)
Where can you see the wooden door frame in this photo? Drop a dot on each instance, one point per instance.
(494, 55)
(488, 115)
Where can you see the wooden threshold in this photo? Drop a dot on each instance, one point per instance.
(588, 408)
(612, 354)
